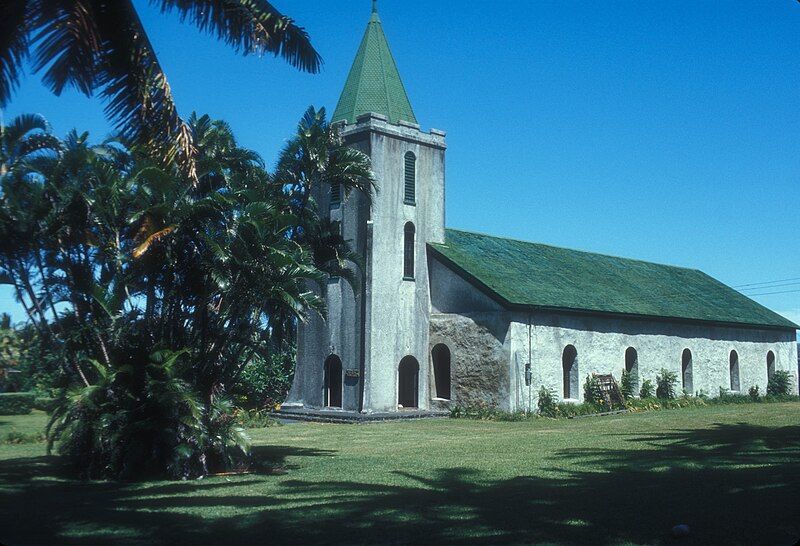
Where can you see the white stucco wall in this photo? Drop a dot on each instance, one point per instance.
(601, 343)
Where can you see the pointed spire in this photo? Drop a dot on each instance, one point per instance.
(374, 83)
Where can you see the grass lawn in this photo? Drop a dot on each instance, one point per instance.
(732, 473)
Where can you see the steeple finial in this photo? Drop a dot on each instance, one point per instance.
(374, 6)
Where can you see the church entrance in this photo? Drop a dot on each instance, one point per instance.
(333, 382)
(408, 383)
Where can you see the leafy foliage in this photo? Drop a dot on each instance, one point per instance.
(647, 390)
(779, 384)
(627, 384)
(753, 393)
(546, 402)
(665, 384)
(591, 391)
(128, 269)
(265, 380)
(16, 403)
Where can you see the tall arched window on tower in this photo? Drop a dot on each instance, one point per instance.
(734, 367)
(408, 251)
(410, 193)
(569, 365)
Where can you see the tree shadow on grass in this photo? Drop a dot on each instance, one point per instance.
(733, 484)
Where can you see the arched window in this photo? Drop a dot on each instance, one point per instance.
(409, 195)
(770, 365)
(336, 194)
(686, 370)
(408, 383)
(569, 365)
(333, 382)
(441, 370)
(632, 367)
(734, 367)
(408, 251)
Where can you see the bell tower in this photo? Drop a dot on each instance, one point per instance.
(378, 330)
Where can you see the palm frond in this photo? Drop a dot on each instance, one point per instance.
(250, 26)
(14, 43)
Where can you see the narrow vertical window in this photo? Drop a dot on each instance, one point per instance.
(734, 370)
(569, 367)
(408, 251)
(336, 194)
(410, 194)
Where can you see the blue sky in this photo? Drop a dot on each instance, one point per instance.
(664, 131)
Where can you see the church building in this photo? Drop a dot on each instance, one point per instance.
(443, 317)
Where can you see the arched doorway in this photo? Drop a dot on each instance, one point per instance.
(686, 370)
(734, 370)
(408, 383)
(569, 365)
(440, 355)
(333, 382)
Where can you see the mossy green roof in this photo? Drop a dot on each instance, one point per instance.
(374, 83)
(523, 274)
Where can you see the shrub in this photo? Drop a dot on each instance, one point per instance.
(753, 393)
(647, 390)
(16, 437)
(147, 421)
(547, 402)
(255, 419)
(780, 384)
(627, 385)
(265, 380)
(16, 403)
(591, 391)
(665, 382)
(44, 403)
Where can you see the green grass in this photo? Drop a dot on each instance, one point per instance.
(730, 472)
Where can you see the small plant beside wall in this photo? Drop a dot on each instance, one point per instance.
(753, 393)
(626, 385)
(591, 391)
(665, 384)
(647, 390)
(547, 404)
(780, 384)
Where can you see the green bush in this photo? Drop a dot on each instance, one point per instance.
(780, 384)
(547, 402)
(665, 384)
(753, 393)
(265, 380)
(727, 397)
(591, 391)
(627, 385)
(44, 403)
(651, 404)
(255, 419)
(16, 437)
(647, 390)
(16, 403)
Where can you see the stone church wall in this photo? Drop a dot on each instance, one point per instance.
(478, 346)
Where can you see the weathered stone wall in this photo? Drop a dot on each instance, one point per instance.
(601, 343)
(479, 358)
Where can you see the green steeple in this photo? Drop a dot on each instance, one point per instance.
(374, 84)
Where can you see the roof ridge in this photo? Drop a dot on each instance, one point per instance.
(578, 250)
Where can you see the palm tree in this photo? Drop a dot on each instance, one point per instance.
(314, 161)
(21, 139)
(101, 45)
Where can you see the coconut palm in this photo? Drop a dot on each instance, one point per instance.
(22, 138)
(102, 46)
(314, 161)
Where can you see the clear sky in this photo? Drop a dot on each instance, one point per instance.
(664, 131)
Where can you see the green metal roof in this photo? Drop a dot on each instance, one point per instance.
(518, 273)
(374, 83)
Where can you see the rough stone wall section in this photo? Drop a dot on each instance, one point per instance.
(479, 357)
